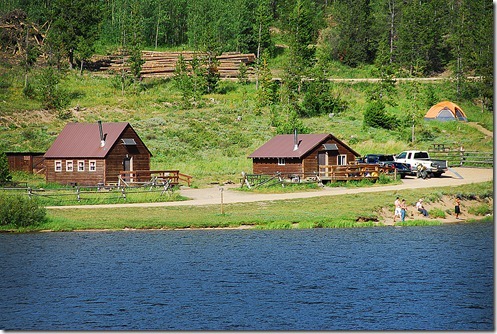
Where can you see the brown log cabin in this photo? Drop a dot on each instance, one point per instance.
(29, 162)
(301, 154)
(95, 154)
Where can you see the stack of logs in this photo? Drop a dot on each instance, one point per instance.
(163, 64)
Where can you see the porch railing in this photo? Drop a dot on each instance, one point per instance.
(140, 177)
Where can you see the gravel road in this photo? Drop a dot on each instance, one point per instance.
(212, 195)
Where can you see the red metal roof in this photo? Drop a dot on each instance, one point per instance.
(282, 146)
(82, 140)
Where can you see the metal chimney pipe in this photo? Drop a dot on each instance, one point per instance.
(102, 138)
(295, 140)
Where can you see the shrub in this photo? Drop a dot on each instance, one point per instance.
(376, 116)
(20, 211)
(480, 210)
(4, 169)
(51, 94)
(437, 213)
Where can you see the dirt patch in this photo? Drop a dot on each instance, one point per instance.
(445, 204)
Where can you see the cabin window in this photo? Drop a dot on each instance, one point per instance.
(281, 161)
(69, 166)
(342, 159)
(81, 165)
(93, 166)
(58, 165)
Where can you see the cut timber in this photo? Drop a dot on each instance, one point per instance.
(163, 64)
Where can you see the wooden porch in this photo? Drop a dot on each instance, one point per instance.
(152, 178)
(352, 172)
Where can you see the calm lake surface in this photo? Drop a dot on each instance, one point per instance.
(409, 278)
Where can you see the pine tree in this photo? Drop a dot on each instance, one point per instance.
(4, 169)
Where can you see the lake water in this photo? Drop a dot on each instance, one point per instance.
(409, 278)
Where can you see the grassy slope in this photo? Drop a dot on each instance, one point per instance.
(209, 142)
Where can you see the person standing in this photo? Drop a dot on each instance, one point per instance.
(403, 209)
(397, 209)
(457, 208)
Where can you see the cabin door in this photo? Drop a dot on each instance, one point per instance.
(128, 166)
(322, 161)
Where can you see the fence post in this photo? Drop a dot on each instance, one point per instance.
(30, 192)
(78, 194)
(123, 191)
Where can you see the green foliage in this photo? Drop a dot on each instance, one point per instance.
(376, 116)
(288, 121)
(20, 211)
(437, 213)
(319, 100)
(50, 92)
(422, 222)
(266, 93)
(74, 28)
(4, 169)
(480, 210)
(349, 32)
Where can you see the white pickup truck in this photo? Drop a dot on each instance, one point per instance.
(415, 158)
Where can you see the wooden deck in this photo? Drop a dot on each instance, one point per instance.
(327, 173)
(152, 178)
(352, 172)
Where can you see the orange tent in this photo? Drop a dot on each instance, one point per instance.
(446, 111)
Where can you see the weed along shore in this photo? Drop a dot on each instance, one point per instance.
(327, 207)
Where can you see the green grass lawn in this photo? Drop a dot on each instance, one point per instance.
(328, 211)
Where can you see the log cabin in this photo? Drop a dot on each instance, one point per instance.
(95, 154)
(301, 154)
(29, 162)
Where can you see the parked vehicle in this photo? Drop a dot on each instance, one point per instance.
(387, 160)
(414, 158)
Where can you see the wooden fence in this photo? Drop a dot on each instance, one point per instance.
(461, 158)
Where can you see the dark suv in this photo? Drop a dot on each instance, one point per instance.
(387, 160)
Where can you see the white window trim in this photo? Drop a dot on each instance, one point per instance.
(281, 162)
(58, 166)
(92, 165)
(82, 169)
(69, 166)
(342, 157)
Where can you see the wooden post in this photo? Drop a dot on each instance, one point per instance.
(222, 200)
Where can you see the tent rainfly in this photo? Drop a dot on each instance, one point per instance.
(446, 111)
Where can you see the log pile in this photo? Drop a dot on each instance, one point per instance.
(163, 64)
(16, 33)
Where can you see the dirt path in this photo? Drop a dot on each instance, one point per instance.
(211, 196)
(481, 129)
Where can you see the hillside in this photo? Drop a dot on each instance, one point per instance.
(211, 141)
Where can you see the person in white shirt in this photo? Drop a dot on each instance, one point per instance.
(397, 209)
(420, 207)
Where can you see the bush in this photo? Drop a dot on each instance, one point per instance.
(20, 211)
(480, 210)
(376, 116)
